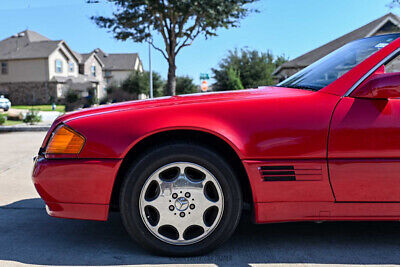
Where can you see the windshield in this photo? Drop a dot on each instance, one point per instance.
(328, 69)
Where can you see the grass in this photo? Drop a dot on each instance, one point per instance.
(10, 123)
(59, 108)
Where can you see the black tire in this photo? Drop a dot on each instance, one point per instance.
(154, 159)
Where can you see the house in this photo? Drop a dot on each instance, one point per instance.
(37, 70)
(389, 23)
(117, 67)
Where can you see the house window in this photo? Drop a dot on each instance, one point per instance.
(71, 66)
(4, 68)
(93, 70)
(58, 66)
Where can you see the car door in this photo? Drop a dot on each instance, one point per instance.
(364, 149)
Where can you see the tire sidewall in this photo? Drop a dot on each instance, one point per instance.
(143, 168)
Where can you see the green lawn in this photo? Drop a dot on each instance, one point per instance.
(59, 108)
(10, 123)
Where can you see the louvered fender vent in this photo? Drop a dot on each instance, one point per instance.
(290, 173)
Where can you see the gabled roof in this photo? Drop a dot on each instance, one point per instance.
(77, 55)
(86, 56)
(362, 32)
(33, 50)
(35, 37)
(29, 44)
(117, 61)
(21, 40)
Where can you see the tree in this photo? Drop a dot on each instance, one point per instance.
(233, 81)
(178, 22)
(248, 68)
(139, 82)
(185, 85)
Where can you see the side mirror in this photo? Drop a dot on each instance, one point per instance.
(379, 86)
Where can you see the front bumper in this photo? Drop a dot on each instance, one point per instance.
(76, 188)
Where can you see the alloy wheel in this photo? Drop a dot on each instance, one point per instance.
(181, 203)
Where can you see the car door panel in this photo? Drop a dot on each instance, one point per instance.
(364, 150)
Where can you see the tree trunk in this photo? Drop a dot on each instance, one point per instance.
(171, 83)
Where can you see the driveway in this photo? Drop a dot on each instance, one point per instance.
(29, 236)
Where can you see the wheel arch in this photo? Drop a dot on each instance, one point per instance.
(212, 140)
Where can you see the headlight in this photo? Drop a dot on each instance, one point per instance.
(64, 140)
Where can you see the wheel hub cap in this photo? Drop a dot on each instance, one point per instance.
(182, 204)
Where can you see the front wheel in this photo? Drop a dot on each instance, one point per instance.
(181, 200)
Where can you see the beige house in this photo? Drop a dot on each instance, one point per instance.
(37, 70)
(117, 67)
(390, 23)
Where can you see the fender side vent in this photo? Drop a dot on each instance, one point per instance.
(278, 173)
(300, 172)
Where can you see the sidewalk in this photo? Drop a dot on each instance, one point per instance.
(48, 118)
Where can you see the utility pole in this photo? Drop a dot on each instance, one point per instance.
(151, 72)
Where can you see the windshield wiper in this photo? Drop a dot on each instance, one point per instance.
(301, 87)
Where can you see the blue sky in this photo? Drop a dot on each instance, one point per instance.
(289, 27)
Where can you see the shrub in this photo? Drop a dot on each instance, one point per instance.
(32, 117)
(71, 96)
(116, 94)
(3, 118)
(73, 100)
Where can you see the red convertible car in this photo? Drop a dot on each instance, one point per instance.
(322, 145)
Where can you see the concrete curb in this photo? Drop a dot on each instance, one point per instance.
(24, 128)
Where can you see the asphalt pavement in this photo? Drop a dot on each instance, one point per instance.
(28, 236)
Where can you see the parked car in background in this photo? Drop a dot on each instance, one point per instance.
(5, 104)
(322, 145)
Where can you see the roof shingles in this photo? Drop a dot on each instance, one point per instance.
(117, 61)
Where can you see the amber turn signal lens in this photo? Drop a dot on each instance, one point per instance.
(65, 141)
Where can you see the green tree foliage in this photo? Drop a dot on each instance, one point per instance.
(233, 79)
(185, 85)
(248, 68)
(139, 83)
(179, 23)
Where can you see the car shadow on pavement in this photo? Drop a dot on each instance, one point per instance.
(28, 235)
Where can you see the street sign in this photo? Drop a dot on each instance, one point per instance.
(204, 76)
(204, 86)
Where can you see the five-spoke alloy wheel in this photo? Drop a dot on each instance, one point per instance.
(180, 199)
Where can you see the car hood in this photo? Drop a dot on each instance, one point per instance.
(240, 95)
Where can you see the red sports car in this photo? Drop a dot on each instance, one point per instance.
(322, 145)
